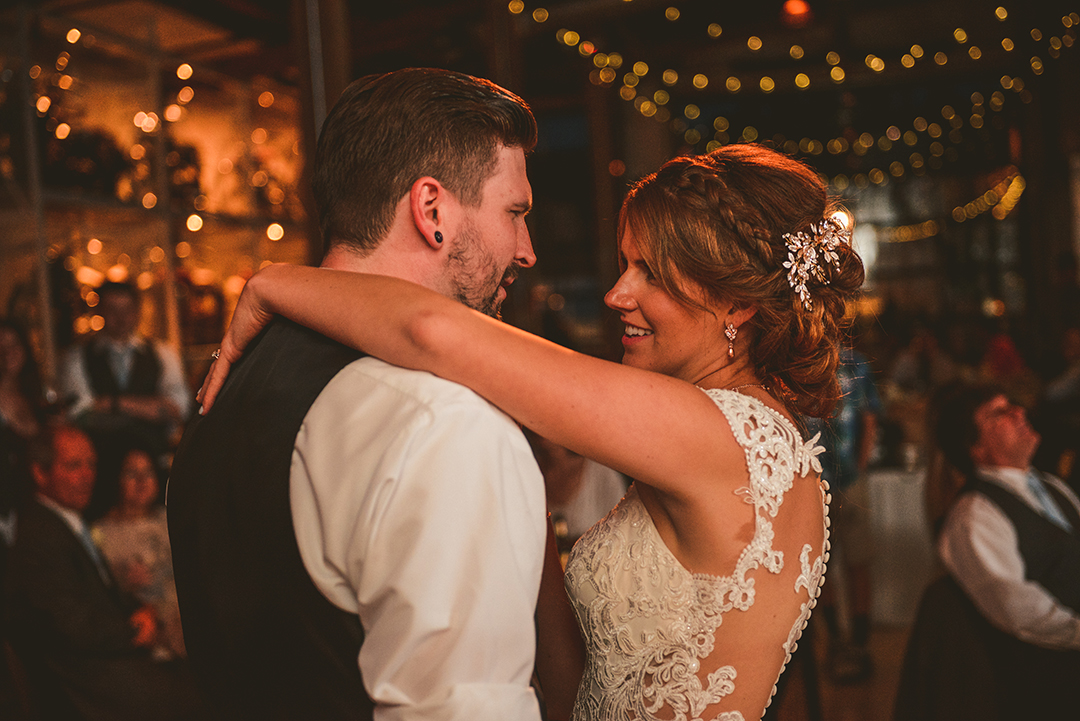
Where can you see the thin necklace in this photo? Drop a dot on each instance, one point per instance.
(748, 385)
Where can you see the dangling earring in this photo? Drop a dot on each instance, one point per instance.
(730, 331)
(438, 237)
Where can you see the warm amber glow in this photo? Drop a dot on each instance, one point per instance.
(184, 71)
(62, 131)
(700, 81)
(266, 99)
(183, 249)
(672, 14)
(94, 246)
(172, 113)
(540, 15)
(715, 30)
(73, 35)
(802, 80)
(185, 95)
(275, 232)
(43, 103)
(194, 223)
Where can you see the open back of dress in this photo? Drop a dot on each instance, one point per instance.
(665, 644)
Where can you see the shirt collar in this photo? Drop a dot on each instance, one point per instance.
(72, 518)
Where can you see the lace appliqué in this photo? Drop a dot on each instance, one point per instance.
(648, 621)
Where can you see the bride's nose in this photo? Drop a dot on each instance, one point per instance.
(619, 297)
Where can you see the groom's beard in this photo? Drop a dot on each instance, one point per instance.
(475, 277)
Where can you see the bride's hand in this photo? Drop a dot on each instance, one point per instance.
(250, 317)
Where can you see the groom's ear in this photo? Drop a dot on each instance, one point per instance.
(428, 200)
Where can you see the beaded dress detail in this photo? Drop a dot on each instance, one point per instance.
(648, 622)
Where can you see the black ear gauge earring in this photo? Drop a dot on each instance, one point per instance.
(438, 237)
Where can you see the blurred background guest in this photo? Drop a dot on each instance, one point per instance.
(134, 538)
(119, 385)
(999, 635)
(85, 645)
(849, 438)
(21, 418)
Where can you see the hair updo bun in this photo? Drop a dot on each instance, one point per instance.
(718, 221)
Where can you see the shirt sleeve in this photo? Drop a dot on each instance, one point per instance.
(73, 382)
(172, 384)
(979, 547)
(438, 544)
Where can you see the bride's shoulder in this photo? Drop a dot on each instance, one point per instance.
(753, 419)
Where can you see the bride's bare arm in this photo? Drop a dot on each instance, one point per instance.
(649, 426)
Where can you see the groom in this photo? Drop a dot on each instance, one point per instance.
(352, 539)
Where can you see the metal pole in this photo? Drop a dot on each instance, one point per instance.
(315, 58)
(37, 206)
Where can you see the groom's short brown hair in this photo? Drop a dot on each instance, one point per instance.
(386, 131)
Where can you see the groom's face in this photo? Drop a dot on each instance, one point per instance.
(492, 242)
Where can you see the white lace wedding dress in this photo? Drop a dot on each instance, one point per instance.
(651, 626)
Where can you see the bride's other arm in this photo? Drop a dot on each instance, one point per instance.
(648, 426)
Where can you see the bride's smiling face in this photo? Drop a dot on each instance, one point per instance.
(660, 333)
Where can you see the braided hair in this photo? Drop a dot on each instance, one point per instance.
(716, 222)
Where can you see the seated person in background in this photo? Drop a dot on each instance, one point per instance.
(579, 490)
(85, 645)
(134, 537)
(119, 383)
(1010, 542)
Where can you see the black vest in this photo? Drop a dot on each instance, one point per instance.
(1031, 681)
(144, 377)
(1051, 554)
(264, 642)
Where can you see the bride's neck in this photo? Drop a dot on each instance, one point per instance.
(737, 373)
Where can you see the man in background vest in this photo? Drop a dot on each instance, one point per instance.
(354, 540)
(1011, 542)
(119, 385)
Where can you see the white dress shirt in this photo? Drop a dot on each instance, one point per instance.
(418, 505)
(73, 380)
(979, 547)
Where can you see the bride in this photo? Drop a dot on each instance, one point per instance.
(692, 592)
